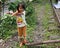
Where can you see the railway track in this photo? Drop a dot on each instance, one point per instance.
(56, 12)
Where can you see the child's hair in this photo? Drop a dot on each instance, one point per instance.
(23, 5)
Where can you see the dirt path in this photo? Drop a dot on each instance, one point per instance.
(39, 30)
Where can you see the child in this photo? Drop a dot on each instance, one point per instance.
(21, 22)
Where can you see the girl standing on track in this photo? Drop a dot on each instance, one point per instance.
(21, 23)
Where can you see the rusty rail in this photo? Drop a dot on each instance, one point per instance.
(44, 42)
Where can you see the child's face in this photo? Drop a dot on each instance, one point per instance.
(20, 8)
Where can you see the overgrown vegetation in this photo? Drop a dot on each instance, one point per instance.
(47, 25)
(51, 31)
(8, 22)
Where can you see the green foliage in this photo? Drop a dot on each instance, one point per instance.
(37, 1)
(7, 25)
(30, 15)
(3, 0)
(47, 46)
(12, 6)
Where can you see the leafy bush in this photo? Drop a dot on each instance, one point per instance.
(30, 14)
(12, 6)
(7, 24)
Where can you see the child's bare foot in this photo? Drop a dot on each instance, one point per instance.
(24, 42)
(21, 44)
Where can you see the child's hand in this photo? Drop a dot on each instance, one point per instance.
(14, 14)
(10, 12)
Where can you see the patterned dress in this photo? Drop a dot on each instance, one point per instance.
(21, 22)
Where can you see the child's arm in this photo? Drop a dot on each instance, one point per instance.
(10, 12)
(14, 14)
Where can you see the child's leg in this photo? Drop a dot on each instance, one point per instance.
(24, 33)
(20, 33)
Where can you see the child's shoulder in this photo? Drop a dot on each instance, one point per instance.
(24, 11)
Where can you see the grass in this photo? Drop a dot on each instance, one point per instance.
(46, 20)
(46, 17)
(46, 25)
